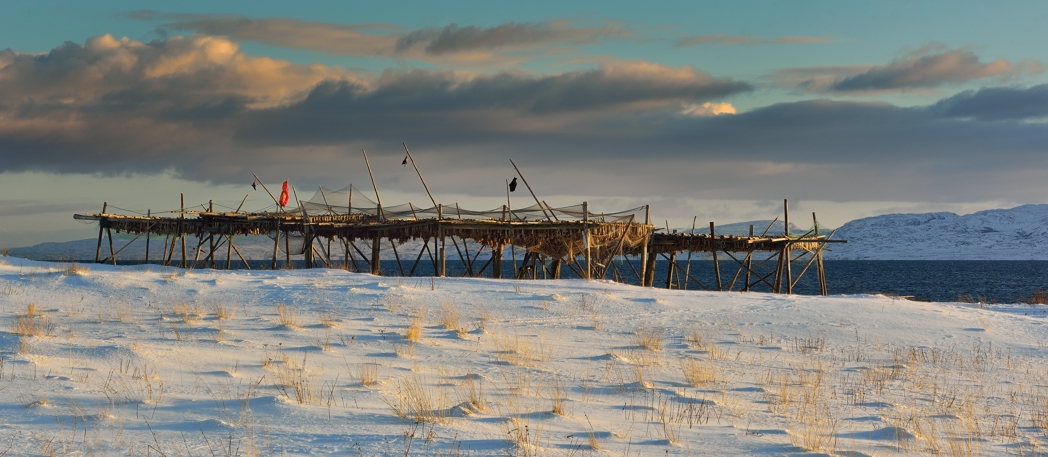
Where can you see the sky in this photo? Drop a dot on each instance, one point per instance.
(710, 110)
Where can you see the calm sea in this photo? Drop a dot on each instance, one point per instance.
(989, 281)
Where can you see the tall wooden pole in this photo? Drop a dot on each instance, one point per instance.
(687, 268)
(412, 159)
(644, 249)
(716, 265)
(442, 256)
(276, 244)
(749, 264)
(788, 246)
(378, 197)
(586, 239)
(149, 214)
(181, 232)
(376, 249)
(537, 202)
(211, 237)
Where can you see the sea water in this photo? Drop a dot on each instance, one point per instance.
(987, 281)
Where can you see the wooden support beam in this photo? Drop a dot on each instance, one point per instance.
(376, 250)
(786, 248)
(396, 255)
(112, 254)
(276, 245)
(101, 228)
(586, 239)
(644, 254)
(496, 266)
(687, 265)
(669, 272)
(716, 264)
(183, 235)
(149, 213)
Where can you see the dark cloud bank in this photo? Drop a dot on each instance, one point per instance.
(197, 106)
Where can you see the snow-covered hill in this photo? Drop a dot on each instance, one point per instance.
(1019, 233)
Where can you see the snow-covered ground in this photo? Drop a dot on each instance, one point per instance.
(130, 361)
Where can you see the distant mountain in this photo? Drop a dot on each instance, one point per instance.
(1019, 233)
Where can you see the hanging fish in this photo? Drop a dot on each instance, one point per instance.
(513, 185)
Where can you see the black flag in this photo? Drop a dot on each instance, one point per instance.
(405, 162)
(253, 186)
(513, 185)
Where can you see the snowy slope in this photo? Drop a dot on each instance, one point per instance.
(163, 361)
(1019, 233)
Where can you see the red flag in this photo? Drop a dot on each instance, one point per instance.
(283, 196)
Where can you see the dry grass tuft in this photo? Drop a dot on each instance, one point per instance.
(32, 323)
(413, 400)
(1038, 297)
(414, 331)
(449, 316)
(188, 314)
(649, 337)
(330, 319)
(74, 269)
(288, 317)
(367, 372)
(223, 311)
(698, 373)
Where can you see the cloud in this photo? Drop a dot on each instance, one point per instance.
(199, 105)
(723, 39)
(457, 43)
(708, 109)
(452, 38)
(997, 104)
(919, 70)
(200, 108)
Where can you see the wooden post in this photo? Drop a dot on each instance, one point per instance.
(276, 245)
(687, 268)
(148, 227)
(376, 249)
(586, 239)
(644, 249)
(101, 227)
(229, 249)
(442, 255)
(496, 261)
(716, 265)
(211, 236)
(818, 259)
(112, 254)
(788, 246)
(181, 232)
(669, 271)
(749, 264)
(649, 267)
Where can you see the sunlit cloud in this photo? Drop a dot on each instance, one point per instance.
(708, 109)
